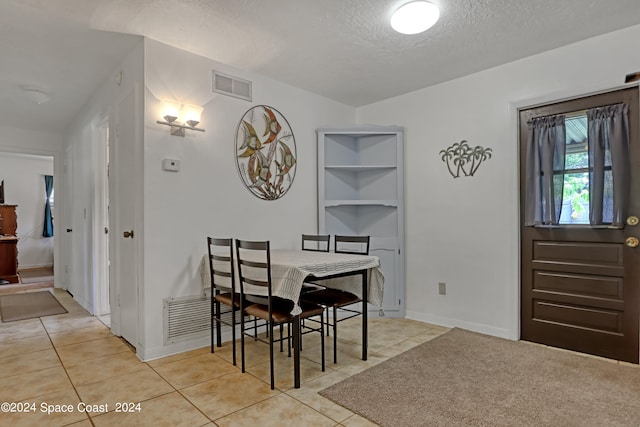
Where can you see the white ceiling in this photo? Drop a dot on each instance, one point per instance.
(342, 49)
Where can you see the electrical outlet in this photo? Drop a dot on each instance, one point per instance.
(442, 288)
(171, 165)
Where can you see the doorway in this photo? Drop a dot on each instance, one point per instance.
(101, 226)
(580, 277)
(29, 262)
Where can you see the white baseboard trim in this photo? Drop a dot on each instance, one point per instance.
(169, 350)
(34, 267)
(148, 354)
(470, 326)
(84, 304)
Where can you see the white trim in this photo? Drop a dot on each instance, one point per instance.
(169, 350)
(469, 326)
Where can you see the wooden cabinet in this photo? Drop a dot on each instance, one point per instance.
(361, 192)
(8, 244)
(8, 220)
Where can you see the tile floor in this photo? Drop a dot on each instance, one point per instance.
(72, 359)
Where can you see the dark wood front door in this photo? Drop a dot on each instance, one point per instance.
(580, 285)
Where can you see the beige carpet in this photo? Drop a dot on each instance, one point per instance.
(466, 379)
(29, 305)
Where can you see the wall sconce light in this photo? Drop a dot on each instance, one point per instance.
(188, 113)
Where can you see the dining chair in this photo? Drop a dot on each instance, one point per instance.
(221, 264)
(338, 299)
(254, 273)
(314, 243)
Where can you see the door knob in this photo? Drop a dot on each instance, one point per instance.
(69, 230)
(632, 220)
(632, 242)
(128, 234)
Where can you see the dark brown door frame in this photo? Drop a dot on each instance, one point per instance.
(559, 295)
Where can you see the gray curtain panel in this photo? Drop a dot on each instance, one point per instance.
(608, 164)
(545, 154)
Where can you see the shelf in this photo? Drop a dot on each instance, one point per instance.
(361, 193)
(360, 149)
(359, 168)
(361, 183)
(334, 203)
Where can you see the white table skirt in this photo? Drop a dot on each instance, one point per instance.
(289, 268)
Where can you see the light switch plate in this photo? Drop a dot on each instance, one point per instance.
(171, 165)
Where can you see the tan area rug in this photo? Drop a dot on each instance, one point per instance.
(29, 305)
(463, 378)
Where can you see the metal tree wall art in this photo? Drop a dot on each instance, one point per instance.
(460, 157)
(265, 152)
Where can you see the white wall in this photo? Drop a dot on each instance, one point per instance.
(207, 196)
(465, 231)
(80, 197)
(23, 176)
(16, 140)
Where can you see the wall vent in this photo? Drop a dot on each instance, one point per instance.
(188, 318)
(232, 86)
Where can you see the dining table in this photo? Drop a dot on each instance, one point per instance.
(358, 274)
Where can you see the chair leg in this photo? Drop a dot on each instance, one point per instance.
(281, 343)
(289, 340)
(335, 335)
(233, 333)
(322, 337)
(218, 326)
(213, 322)
(271, 355)
(213, 325)
(242, 338)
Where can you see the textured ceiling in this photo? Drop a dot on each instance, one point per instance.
(342, 49)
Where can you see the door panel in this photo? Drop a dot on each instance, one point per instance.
(580, 284)
(583, 285)
(123, 266)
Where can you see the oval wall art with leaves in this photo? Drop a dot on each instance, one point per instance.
(265, 152)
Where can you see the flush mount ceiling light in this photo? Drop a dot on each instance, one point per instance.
(36, 95)
(415, 17)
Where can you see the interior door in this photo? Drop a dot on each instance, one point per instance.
(580, 283)
(101, 220)
(122, 244)
(66, 217)
(74, 230)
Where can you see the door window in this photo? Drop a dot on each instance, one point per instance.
(573, 161)
(575, 194)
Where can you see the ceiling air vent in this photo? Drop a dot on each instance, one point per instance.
(232, 86)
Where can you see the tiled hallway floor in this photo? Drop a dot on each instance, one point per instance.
(73, 359)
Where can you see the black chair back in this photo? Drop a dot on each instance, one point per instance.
(312, 242)
(254, 264)
(357, 245)
(221, 264)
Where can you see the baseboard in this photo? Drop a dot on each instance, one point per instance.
(148, 354)
(469, 326)
(35, 268)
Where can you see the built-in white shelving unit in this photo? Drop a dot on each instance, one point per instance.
(361, 192)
